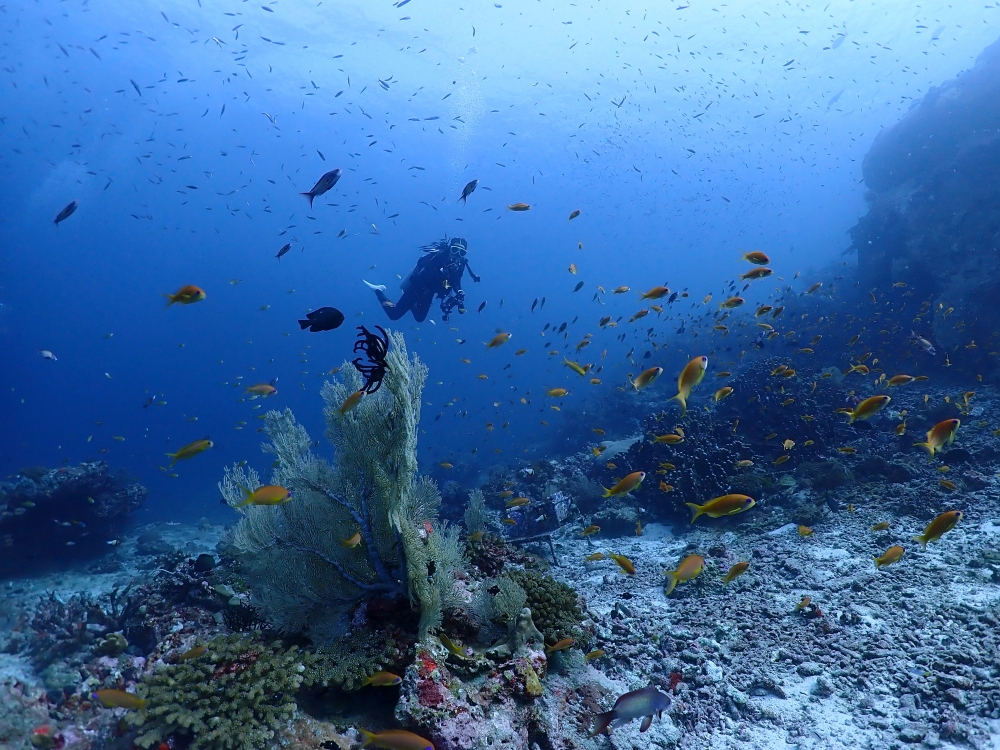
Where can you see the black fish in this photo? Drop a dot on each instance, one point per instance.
(324, 319)
(284, 249)
(148, 402)
(543, 303)
(66, 212)
(468, 190)
(135, 86)
(482, 306)
(578, 287)
(533, 304)
(325, 183)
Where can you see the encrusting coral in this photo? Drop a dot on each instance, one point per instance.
(296, 559)
(555, 607)
(232, 697)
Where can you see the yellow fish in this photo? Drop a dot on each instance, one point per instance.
(270, 494)
(626, 485)
(890, 556)
(624, 563)
(400, 739)
(723, 392)
(736, 571)
(689, 569)
(352, 541)
(668, 439)
(119, 699)
(498, 340)
(939, 436)
(646, 377)
(190, 450)
(382, 679)
(868, 407)
(351, 401)
(725, 505)
(691, 375)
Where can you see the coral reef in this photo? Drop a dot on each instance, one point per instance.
(555, 607)
(932, 219)
(294, 558)
(496, 605)
(232, 697)
(476, 515)
(348, 659)
(89, 505)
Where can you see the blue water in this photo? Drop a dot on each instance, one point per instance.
(683, 133)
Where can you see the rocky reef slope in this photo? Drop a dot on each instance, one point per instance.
(934, 216)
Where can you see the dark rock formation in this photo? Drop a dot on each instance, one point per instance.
(934, 216)
(54, 517)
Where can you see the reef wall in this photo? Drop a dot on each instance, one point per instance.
(934, 210)
(52, 518)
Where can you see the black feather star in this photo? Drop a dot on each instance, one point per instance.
(376, 349)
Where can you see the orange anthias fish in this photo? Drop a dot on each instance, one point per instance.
(689, 569)
(382, 679)
(756, 273)
(562, 645)
(270, 494)
(646, 377)
(624, 563)
(936, 528)
(867, 408)
(351, 401)
(691, 375)
(726, 505)
(498, 340)
(262, 389)
(723, 392)
(668, 439)
(657, 292)
(394, 739)
(626, 485)
(119, 699)
(757, 258)
(736, 571)
(518, 207)
(190, 450)
(939, 436)
(891, 555)
(186, 295)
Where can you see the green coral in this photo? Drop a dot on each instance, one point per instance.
(555, 607)
(301, 575)
(233, 697)
(349, 659)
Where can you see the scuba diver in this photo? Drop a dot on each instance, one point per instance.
(438, 273)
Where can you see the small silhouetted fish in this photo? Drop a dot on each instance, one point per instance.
(325, 183)
(149, 400)
(135, 86)
(468, 190)
(482, 306)
(543, 303)
(324, 319)
(284, 249)
(578, 287)
(66, 212)
(533, 304)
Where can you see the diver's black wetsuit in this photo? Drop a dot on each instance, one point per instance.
(438, 273)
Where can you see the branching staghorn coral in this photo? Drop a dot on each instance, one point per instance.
(303, 572)
(232, 697)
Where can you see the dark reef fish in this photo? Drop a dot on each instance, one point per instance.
(468, 190)
(643, 703)
(323, 319)
(284, 249)
(324, 184)
(66, 212)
